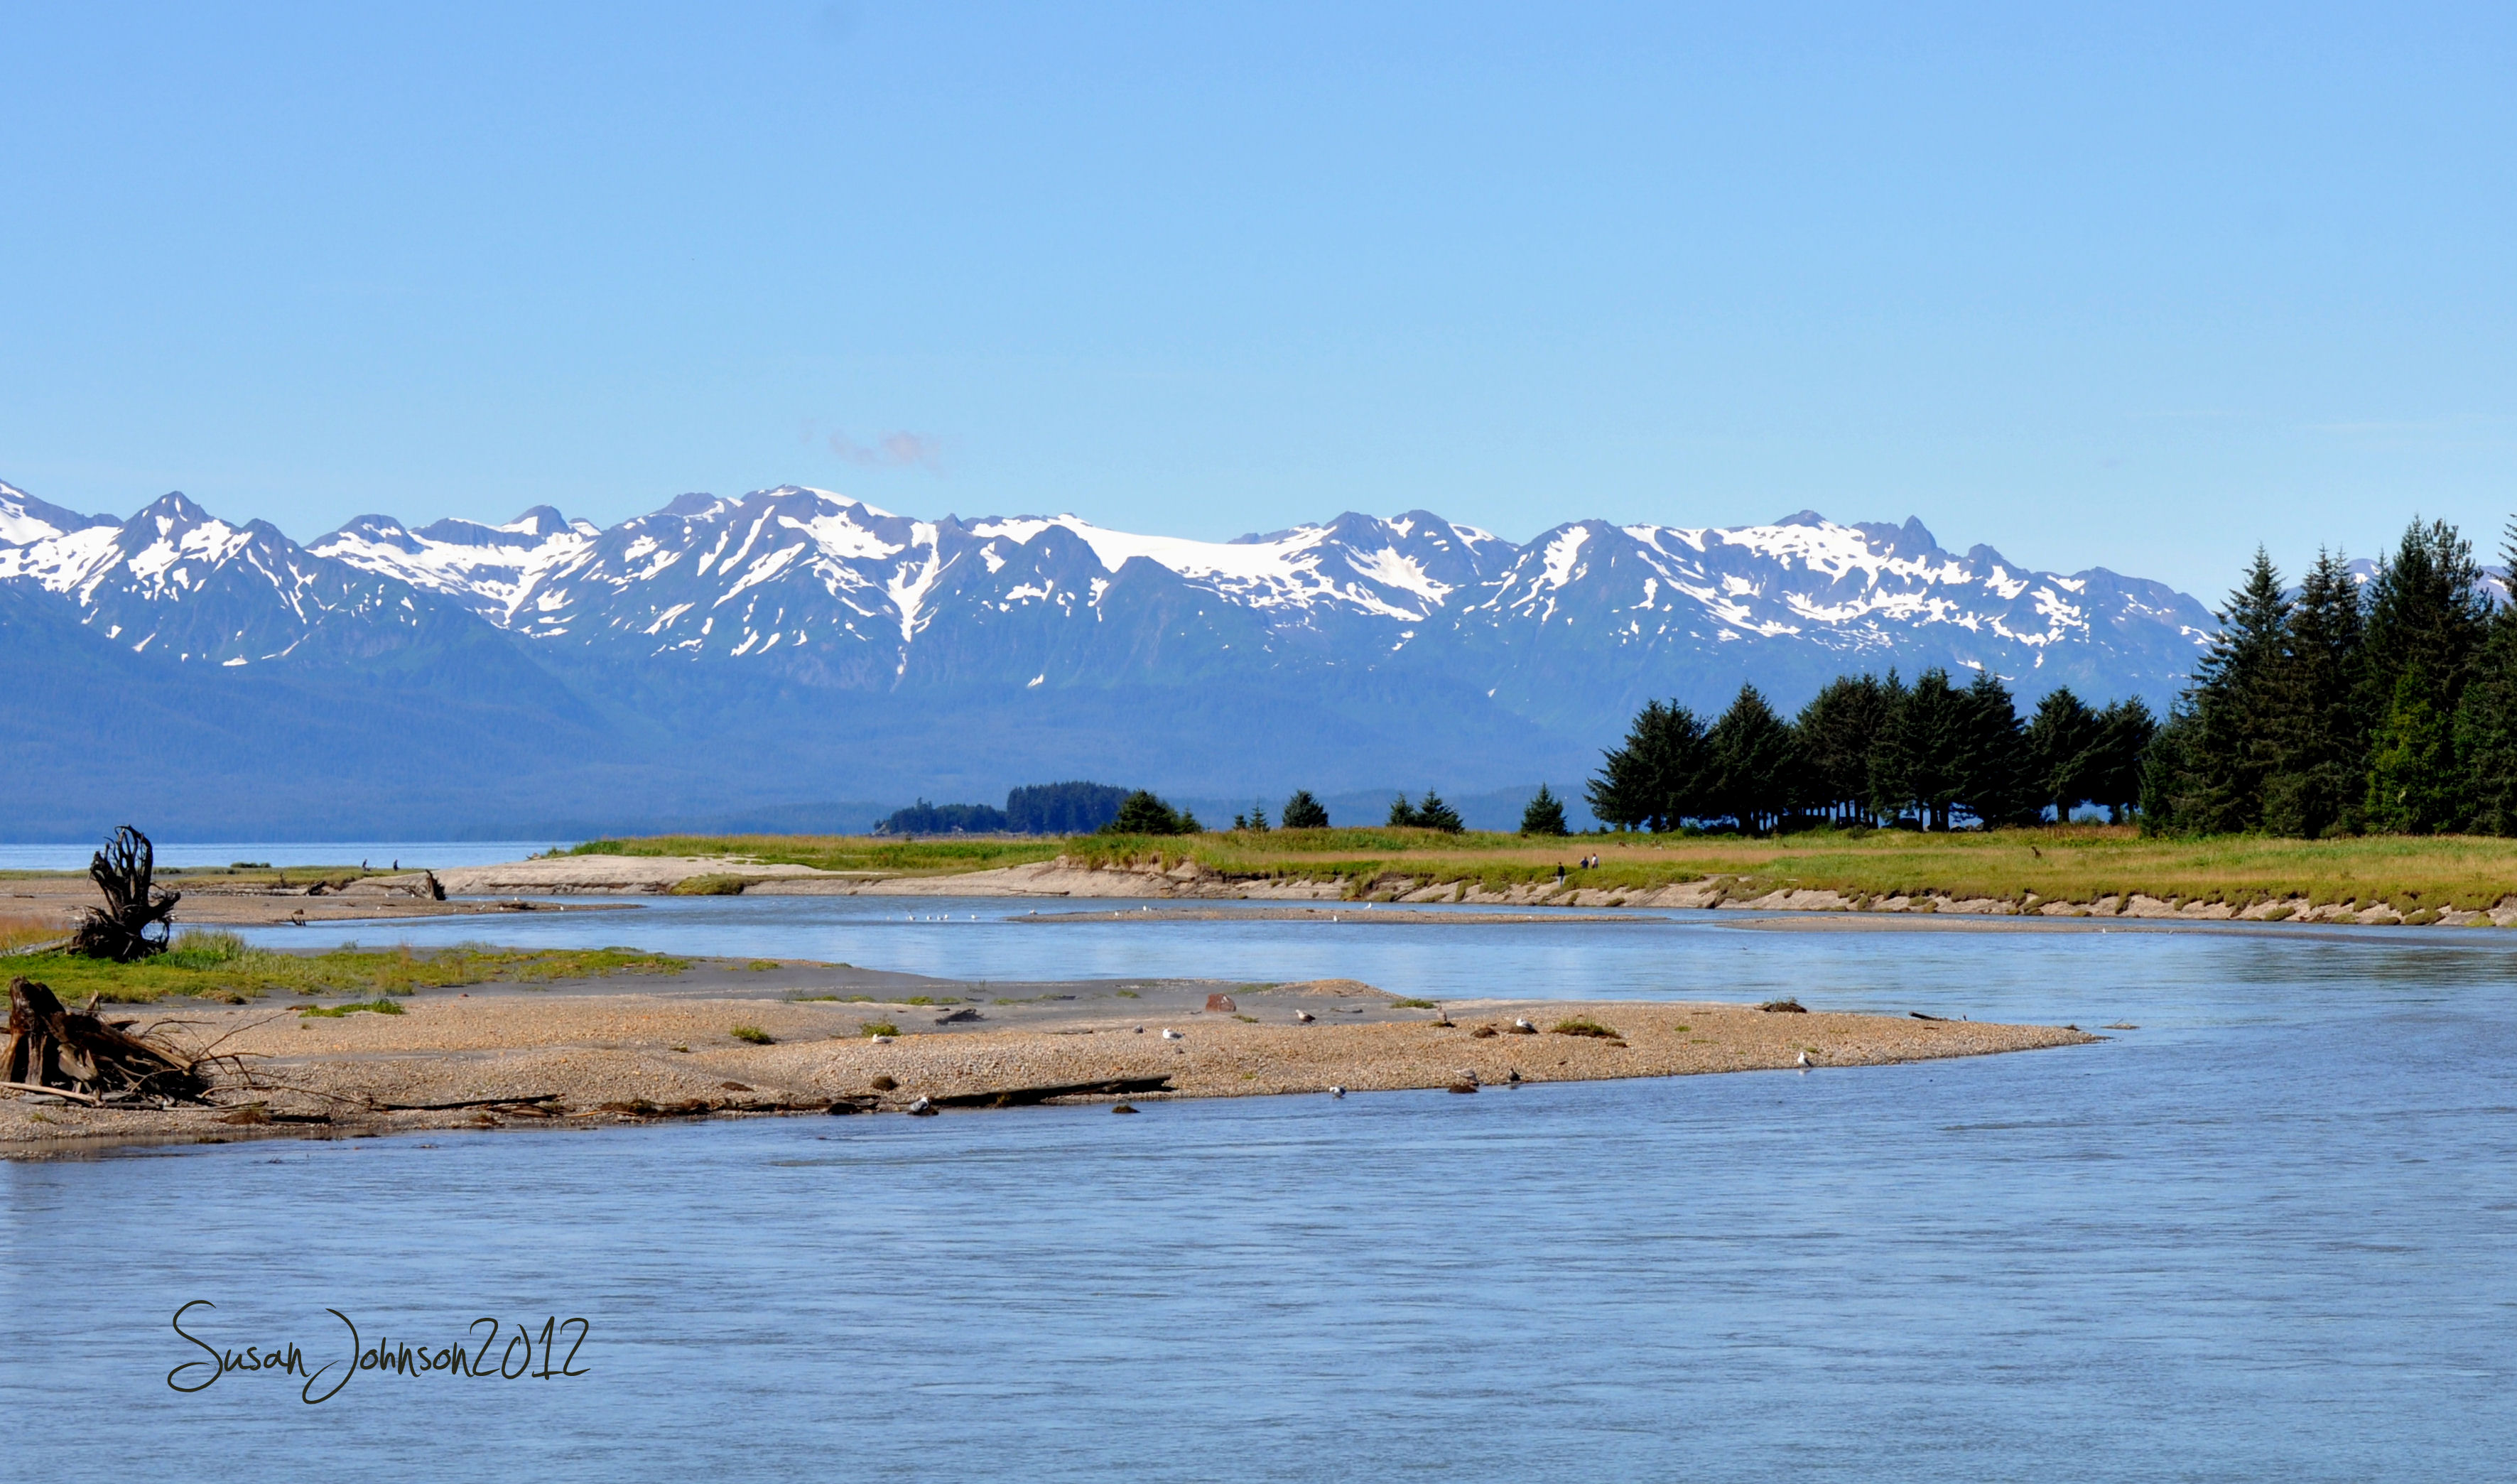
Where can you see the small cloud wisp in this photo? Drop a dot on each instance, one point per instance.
(892, 450)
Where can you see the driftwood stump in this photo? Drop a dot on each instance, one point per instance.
(137, 919)
(55, 1050)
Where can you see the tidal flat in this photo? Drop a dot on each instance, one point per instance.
(746, 1039)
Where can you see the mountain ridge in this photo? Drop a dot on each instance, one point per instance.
(794, 644)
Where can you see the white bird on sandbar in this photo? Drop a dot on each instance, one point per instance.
(1336, 1093)
(1305, 1016)
(1804, 1061)
(1171, 1035)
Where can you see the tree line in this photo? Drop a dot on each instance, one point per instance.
(1875, 751)
(2346, 709)
(1075, 807)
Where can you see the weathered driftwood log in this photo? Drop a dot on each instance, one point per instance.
(469, 1102)
(1017, 1097)
(138, 916)
(58, 1049)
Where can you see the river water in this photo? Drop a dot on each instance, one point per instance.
(2268, 1235)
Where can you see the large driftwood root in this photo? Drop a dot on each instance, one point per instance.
(137, 919)
(74, 1054)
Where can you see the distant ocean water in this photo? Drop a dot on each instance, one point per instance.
(412, 854)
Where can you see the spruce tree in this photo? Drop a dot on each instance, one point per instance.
(1304, 812)
(1833, 736)
(2486, 718)
(1403, 815)
(2062, 747)
(2165, 768)
(2427, 613)
(2412, 760)
(2229, 720)
(1992, 774)
(1654, 781)
(1545, 814)
(2427, 605)
(1753, 764)
(2318, 782)
(2125, 732)
(1884, 771)
(1920, 761)
(1144, 814)
(1433, 814)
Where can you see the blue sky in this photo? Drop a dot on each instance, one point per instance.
(2124, 287)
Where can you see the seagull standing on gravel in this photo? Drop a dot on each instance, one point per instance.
(1171, 1035)
(1521, 1023)
(1804, 1061)
(1305, 1016)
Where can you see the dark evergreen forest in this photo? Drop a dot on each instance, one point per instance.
(2341, 707)
(2389, 709)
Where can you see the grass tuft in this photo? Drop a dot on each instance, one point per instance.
(18, 932)
(752, 1035)
(371, 1006)
(219, 965)
(1585, 1027)
(877, 1028)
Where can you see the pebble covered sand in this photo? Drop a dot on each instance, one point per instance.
(583, 1052)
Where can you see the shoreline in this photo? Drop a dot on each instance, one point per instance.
(1188, 881)
(595, 1057)
(613, 882)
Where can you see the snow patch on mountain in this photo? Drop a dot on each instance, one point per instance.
(816, 589)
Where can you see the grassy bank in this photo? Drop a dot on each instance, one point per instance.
(841, 852)
(217, 966)
(2077, 864)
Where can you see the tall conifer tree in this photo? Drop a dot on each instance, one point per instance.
(2316, 786)
(2411, 766)
(2486, 717)
(2225, 742)
(1753, 764)
(2428, 617)
(2126, 732)
(1994, 781)
(1834, 734)
(1655, 779)
(1919, 763)
(2062, 750)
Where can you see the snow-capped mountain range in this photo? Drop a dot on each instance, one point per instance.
(801, 610)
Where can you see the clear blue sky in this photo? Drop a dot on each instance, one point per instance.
(2115, 285)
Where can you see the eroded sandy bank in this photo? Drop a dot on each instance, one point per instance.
(589, 1059)
(1188, 881)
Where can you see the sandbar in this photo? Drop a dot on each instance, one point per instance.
(587, 1055)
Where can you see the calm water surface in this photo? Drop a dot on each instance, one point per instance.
(2266, 1236)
